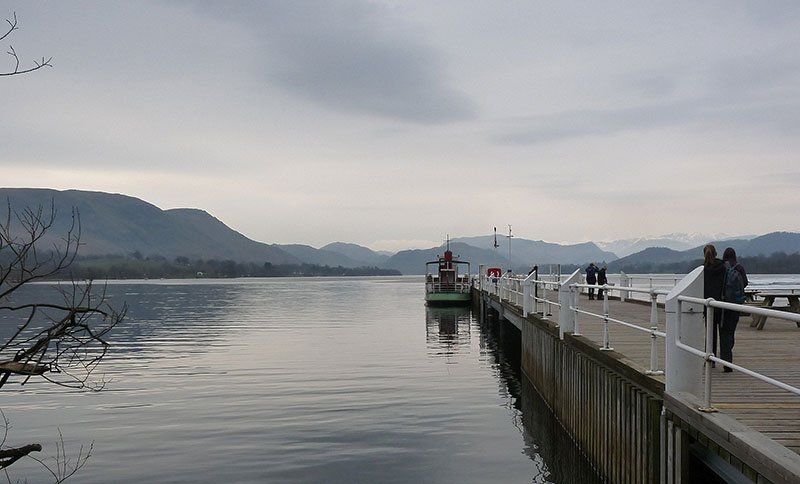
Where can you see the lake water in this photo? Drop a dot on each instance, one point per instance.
(297, 381)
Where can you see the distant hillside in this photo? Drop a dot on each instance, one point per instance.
(120, 225)
(674, 241)
(525, 252)
(357, 253)
(650, 259)
(413, 261)
(768, 244)
(322, 257)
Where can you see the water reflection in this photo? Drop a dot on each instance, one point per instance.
(297, 381)
(158, 314)
(555, 455)
(447, 329)
(547, 440)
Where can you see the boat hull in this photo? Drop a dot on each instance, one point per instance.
(448, 298)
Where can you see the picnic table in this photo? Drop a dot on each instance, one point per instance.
(768, 301)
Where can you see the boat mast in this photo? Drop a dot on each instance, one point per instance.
(509, 246)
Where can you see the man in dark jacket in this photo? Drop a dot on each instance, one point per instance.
(601, 280)
(591, 278)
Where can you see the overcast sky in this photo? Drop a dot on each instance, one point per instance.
(393, 123)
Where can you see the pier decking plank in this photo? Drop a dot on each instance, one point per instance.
(773, 351)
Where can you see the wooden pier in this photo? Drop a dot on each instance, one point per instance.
(631, 428)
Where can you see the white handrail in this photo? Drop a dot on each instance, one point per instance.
(547, 304)
(539, 296)
(652, 330)
(709, 357)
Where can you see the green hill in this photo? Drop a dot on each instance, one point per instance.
(113, 224)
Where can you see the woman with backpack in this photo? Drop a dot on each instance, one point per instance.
(733, 291)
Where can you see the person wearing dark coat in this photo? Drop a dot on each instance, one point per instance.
(591, 278)
(713, 280)
(727, 329)
(601, 280)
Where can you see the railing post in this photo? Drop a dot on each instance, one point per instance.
(624, 281)
(566, 320)
(653, 338)
(606, 343)
(707, 407)
(527, 297)
(545, 304)
(684, 370)
(575, 298)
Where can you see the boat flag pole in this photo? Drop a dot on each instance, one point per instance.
(496, 245)
(509, 245)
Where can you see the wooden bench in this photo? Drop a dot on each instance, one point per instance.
(768, 302)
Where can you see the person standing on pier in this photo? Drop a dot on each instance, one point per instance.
(713, 281)
(601, 281)
(591, 278)
(733, 291)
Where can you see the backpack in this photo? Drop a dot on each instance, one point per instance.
(733, 288)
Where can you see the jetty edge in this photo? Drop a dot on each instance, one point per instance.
(629, 379)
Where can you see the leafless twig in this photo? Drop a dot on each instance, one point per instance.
(12, 26)
(60, 341)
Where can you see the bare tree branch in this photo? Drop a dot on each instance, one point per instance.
(63, 467)
(12, 26)
(61, 342)
(9, 456)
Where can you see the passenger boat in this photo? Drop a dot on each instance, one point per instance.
(444, 286)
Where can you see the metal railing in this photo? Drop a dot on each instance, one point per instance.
(709, 357)
(652, 330)
(540, 290)
(540, 294)
(648, 281)
(457, 287)
(535, 295)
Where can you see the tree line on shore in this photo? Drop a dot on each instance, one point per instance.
(776, 263)
(136, 266)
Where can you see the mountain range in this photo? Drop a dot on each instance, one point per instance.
(764, 245)
(114, 224)
(674, 241)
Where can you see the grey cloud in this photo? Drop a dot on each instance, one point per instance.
(782, 118)
(752, 75)
(575, 124)
(351, 57)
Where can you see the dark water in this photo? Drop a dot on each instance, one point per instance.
(298, 380)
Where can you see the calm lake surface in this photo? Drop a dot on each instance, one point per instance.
(297, 380)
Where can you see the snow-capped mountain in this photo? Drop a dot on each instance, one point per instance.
(674, 241)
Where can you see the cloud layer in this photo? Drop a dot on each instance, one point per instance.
(368, 121)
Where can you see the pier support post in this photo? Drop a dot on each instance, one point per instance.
(566, 323)
(683, 370)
